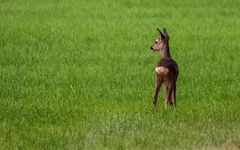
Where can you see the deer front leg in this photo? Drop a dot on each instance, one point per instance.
(159, 82)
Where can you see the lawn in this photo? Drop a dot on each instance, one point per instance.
(79, 74)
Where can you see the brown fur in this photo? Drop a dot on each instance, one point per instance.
(166, 70)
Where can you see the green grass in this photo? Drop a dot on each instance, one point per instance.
(79, 74)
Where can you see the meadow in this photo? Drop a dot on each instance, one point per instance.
(79, 74)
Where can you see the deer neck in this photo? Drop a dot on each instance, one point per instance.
(166, 51)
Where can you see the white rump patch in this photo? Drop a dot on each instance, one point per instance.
(161, 70)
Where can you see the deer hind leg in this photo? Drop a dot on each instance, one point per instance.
(174, 95)
(168, 95)
(158, 85)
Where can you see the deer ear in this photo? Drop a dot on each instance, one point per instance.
(160, 33)
(165, 33)
(158, 30)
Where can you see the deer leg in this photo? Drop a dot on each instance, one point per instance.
(174, 95)
(169, 96)
(166, 98)
(159, 82)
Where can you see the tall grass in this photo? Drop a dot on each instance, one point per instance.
(79, 74)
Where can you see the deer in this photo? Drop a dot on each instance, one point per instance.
(166, 70)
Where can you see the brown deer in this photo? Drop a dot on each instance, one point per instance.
(166, 70)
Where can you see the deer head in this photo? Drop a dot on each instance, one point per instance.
(161, 42)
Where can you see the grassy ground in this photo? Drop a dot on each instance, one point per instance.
(79, 74)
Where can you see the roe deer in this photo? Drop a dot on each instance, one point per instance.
(166, 70)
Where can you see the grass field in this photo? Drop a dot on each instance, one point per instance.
(78, 74)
